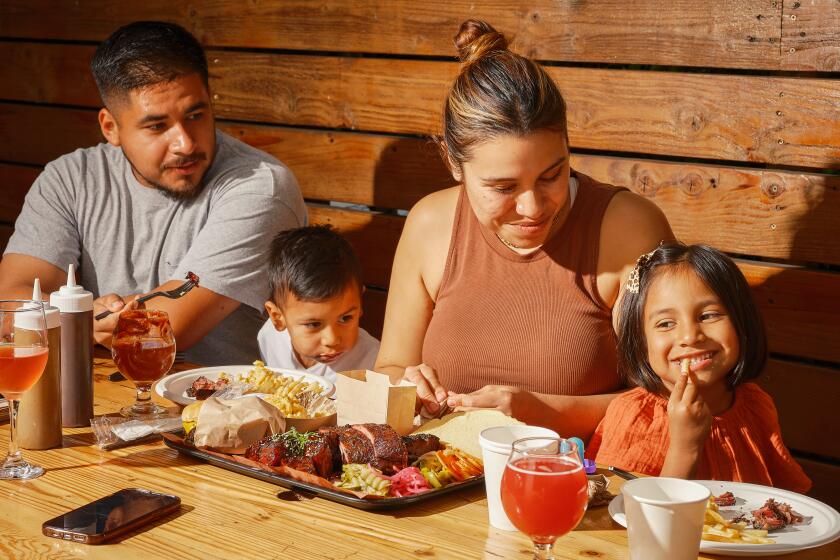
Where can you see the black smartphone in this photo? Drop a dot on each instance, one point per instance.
(110, 516)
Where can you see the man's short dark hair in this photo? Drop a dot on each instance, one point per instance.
(145, 53)
(725, 279)
(314, 263)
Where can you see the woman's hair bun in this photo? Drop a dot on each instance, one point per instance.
(476, 38)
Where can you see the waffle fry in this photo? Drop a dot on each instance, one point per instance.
(717, 528)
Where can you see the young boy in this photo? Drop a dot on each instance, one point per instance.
(316, 291)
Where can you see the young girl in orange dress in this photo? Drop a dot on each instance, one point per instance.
(690, 338)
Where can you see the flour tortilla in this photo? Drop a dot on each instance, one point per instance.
(461, 429)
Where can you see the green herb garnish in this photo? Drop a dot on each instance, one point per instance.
(293, 441)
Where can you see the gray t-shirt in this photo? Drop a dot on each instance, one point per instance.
(87, 208)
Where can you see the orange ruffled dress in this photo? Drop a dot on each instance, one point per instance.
(745, 443)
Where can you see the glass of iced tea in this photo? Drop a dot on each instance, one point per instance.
(143, 348)
(544, 490)
(23, 356)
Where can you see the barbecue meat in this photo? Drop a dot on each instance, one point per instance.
(774, 515)
(202, 388)
(725, 499)
(319, 452)
(272, 453)
(253, 451)
(354, 447)
(330, 435)
(420, 444)
(304, 464)
(389, 452)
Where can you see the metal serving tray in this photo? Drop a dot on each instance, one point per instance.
(176, 442)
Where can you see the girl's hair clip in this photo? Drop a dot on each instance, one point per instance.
(632, 285)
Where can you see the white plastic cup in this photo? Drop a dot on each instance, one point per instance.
(496, 444)
(664, 518)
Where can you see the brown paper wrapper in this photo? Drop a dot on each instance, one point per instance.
(368, 397)
(230, 426)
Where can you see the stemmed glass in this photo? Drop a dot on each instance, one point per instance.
(23, 357)
(544, 490)
(143, 348)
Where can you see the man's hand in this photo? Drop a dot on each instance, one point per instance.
(104, 328)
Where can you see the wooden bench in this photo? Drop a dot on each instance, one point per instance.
(728, 119)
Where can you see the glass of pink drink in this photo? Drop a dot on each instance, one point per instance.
(544, 490)
(23, 356)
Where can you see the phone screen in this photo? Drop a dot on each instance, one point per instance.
(112, 512)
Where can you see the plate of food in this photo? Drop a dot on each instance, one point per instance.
(752, 520)
(367, 466)
(186, 387)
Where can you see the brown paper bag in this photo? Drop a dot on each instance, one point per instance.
(230, 426)
(365, 396)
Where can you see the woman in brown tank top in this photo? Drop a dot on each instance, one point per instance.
(503, 287)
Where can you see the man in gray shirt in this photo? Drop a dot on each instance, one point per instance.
(166, 195)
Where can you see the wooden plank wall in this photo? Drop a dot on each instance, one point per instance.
(724, 113)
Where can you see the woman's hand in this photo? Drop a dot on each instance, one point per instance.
(510, 400)
(430, 393)
(689, 417)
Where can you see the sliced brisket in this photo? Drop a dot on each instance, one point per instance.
(389, 452)
(354, 447)
(420, 444)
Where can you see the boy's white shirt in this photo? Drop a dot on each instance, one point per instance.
(276, 351)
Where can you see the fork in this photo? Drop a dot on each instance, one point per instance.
(192, 282)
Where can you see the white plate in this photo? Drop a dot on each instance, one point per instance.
(174, 387)
(821, 524)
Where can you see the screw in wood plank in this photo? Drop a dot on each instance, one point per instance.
(781, 141)
(772, 226)
(793, 18)
(792, 50)
(779, 113)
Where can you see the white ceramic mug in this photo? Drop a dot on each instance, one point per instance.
(664, 517)
(496, 445)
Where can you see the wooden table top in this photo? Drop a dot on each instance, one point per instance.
(227, 515)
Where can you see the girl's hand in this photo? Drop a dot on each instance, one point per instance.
(689, 417)
(430, 393)
(509, 400)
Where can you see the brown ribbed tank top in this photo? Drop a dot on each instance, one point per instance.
(532, 321)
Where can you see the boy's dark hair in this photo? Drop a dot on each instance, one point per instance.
(145, 53)
(724, 278)
(314, 263)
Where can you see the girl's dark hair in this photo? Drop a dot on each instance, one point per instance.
(724, 278)
(145, 53)
(497, 92)
(314, 263)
